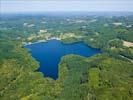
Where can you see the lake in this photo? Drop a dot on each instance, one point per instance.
(49, 54)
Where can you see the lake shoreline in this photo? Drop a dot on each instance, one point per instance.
(53, 51)
(40, 41)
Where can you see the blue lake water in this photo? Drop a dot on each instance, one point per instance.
(49, 54)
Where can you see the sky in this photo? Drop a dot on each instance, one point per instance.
(13, 6)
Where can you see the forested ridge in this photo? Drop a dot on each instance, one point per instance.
(99, 77)
(106, 76)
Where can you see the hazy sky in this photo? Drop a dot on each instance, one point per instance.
(64, 5)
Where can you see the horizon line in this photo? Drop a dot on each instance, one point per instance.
(66, 12)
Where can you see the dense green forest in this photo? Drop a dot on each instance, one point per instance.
(106, 76)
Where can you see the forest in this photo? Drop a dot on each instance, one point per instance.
(105, 76)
